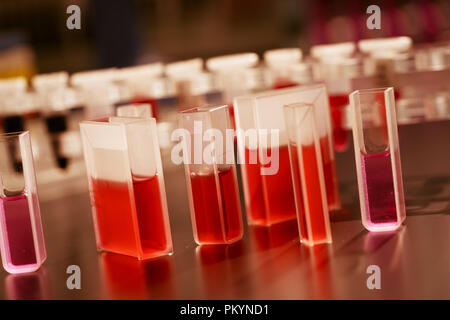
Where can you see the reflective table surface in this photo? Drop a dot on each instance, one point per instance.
(269, 263)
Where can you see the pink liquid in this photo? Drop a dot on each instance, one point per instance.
(217, 221)
(379, 188)
(18, 234)
(270, 197)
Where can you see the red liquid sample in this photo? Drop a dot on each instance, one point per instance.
(232, 117)
(379, 188)
(340, 135)
(114, 208)
(216, 220)
(329, 172)
(145, 100)
(19, 233)
(312, 188)
(270, 197)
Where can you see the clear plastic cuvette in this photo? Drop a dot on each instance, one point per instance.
(304, 126)
(21, 235)
(211, 175)
(264, 158)
(377, 158)
(126, 183)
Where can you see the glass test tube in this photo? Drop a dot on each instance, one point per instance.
(304, 129)
(126, 182)
(268, 198)
(211, 177)
(377, 157)
(21, 237)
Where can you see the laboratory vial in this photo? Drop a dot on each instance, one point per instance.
(126, 184)
(377, 156)
(211, 175)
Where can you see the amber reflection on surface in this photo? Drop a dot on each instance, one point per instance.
(128, 278)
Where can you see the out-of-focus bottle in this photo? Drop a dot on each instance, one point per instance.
(189, 82)
(15, 103)
(97, 91)
(142, 84)
(279, 72)
(380, 58)
(336, 66)
(55, 99)
(236, 75)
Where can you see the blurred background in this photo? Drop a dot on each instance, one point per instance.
(34, 37)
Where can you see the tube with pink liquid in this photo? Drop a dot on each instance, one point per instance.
(21, 237)
(377, 155)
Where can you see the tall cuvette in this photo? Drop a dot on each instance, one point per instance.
(127, 190)
(207, 140)
(308, 173)
(377, 155)
(22, 241)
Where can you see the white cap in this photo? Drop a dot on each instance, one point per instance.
(233, 61)
(86, 78)
(333, 51)
(384, 45)
(13, 85)
(150, 70)
(183, 69)
(276, 57)
(50, 81)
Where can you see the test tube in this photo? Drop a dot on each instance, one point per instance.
(377, 156)
(21, 236)
(126, 183)
(304, 129)
(279, 63)
(268, 198)
(211, 175)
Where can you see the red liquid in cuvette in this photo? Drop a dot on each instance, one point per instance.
(147, 100)
(340, 135)
(379, 188)
(217, 220)
(117, 230)
(312, 188)
(18, 231)
(329, 172)
(270, 197)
